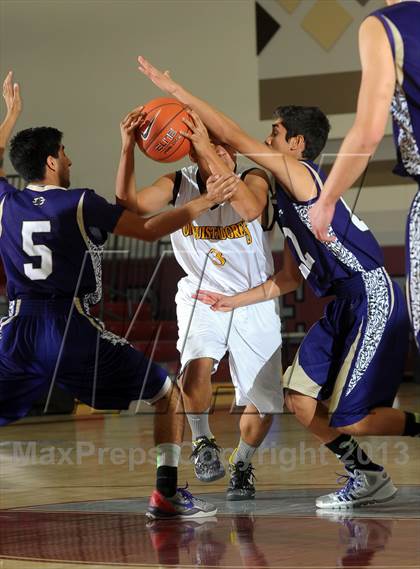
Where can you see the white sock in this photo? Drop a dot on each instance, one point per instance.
(168, 454)
(199, 424)
(243, 453)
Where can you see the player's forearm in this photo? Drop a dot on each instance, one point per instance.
(6, 129)
(245, 203)
(221, 126)
(213, 163)
(167, 222)
(351, 162)
(125, 184)
(280, 284)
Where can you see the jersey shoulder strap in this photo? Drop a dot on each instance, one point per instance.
(177, 185)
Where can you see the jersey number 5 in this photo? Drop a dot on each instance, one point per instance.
(28, 229)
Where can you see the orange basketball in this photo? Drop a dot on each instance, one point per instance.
(159, 138)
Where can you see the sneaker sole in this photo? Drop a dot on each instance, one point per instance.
(213, 478)
(369, 501)
(162, 516)
(239, 498)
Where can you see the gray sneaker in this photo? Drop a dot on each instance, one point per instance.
(363, 487)
(205, 456)
(183, 505)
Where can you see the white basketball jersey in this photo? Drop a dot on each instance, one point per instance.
(219, 251)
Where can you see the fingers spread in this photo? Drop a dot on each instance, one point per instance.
(190, 125)
(185, 134)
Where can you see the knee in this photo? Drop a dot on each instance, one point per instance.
(170, 401)
(189, 384)
(359, 429)
(295, 402)
(195, 376)
(266, 420)
(288, 399)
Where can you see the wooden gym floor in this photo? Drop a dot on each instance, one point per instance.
(74, 491)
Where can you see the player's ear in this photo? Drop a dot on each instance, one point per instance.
(301, 142)
(51, 163)
(297, 142)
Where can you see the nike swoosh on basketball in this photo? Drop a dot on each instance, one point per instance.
(146, 132)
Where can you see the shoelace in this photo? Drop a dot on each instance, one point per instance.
(184, 492)
(204, 442)
(352, 483)
(188, 496)
(246, 475)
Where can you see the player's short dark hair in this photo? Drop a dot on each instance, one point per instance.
(310, 122)
(30, 148)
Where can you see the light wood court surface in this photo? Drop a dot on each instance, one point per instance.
(74, 490)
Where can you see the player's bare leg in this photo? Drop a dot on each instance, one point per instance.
(196, 390)
(254, 429)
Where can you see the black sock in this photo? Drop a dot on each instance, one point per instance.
(412, 425)
(167, 480)
(351, 455)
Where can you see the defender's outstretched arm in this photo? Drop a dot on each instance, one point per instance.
(287, 170)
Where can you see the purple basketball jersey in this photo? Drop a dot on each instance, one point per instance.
(51, 240)
(324, 264)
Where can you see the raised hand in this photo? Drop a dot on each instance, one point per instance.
(221, 188)
(130, 123)
(162, 80)
(218, 302)
(11, 95)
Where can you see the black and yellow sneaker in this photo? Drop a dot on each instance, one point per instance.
(241, 483)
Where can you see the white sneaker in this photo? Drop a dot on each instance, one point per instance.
(363, 487)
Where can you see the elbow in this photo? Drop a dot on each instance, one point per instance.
(372, 140)
(151, 232)
(251, 215)
(128, 205)
(295, 281)
(369, 137)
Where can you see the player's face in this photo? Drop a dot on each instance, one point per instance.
(63, 168)
(226, 153)
(277, 138)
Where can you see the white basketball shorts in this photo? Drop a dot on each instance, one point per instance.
(251, 335)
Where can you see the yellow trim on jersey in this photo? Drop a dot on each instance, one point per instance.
(399, 50)
(343, 374)
(80, 221)
(79, 308)
(217, 232)
(15, 308)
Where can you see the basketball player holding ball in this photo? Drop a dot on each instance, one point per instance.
(226, 251)
(350, 364)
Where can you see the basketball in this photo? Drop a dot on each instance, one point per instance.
(159, 138)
